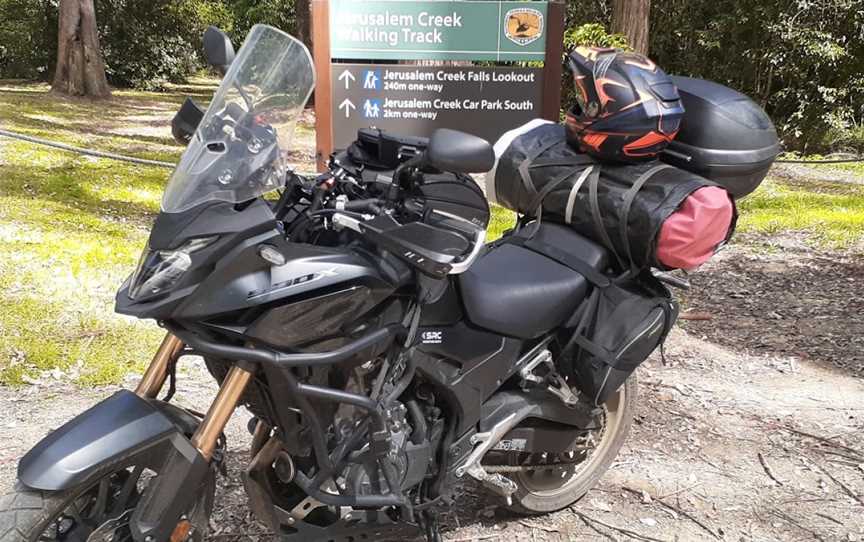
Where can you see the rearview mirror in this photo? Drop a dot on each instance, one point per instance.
(458, 152)
(186, 121)
(218, 50)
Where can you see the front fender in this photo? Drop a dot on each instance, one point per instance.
(117, 429)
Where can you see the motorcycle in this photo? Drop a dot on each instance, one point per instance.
(383, 361)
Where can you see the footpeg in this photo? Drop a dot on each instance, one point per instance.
(484, 442)
(551, 381)
(559, 388)
(496, 482)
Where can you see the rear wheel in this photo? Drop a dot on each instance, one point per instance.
(96, 512)
(571, 475)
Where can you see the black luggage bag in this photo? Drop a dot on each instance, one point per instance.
(622, 207)
(621, 323)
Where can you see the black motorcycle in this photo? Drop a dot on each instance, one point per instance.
(386, 351)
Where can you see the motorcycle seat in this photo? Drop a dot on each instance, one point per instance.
(514, 291)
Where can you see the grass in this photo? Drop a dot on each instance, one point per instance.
(501, 221)
(72, 227)
(831, 213)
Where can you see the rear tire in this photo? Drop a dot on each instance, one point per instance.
(559, 488)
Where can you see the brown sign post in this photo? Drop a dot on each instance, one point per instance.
(372, 84)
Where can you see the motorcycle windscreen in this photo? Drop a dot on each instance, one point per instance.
(239, 150)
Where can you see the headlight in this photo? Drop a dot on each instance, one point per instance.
(159, 270)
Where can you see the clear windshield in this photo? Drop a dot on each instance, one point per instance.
(239, 150)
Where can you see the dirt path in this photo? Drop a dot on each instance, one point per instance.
(719, 446)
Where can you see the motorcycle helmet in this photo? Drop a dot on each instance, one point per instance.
(626, 108)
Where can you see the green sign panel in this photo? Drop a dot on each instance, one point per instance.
(438, 30)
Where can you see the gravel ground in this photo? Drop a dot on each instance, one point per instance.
(820, 173)
(778, 297)
(720, 445)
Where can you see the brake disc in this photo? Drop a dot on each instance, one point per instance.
(107, 532)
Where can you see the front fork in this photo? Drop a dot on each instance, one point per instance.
(159, 517)
(207, 434)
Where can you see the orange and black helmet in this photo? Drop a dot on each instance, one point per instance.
(626, 108)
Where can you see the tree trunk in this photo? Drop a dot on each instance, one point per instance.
(303, 28)
(304, 22)
(80, 68)
(630, 17)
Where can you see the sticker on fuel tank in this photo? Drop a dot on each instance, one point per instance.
(291, 283)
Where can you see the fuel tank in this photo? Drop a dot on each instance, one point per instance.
(319, 292)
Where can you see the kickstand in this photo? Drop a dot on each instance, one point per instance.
(429, 522)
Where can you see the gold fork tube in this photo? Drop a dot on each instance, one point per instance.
(220, 411)
(154, 378)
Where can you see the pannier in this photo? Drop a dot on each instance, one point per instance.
(724, 136)
(612, 331)
(376, 154)
(647, 214)
(619, 327)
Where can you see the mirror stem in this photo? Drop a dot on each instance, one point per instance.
(396, 183)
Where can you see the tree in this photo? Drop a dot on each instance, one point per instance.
(80, 68)
(631, 17)
(303, 26)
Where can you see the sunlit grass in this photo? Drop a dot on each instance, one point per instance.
(501, 221)
(71, 229)
(832, 213)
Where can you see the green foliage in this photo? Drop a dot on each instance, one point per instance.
(247, 13)
(28, 38)
(148, 44)
(593, 35)
(803, 60)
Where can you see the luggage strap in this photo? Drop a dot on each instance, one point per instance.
(623, 216)
(531, 162)
(629, 196)
(597, 216)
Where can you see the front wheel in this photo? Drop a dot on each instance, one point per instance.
(99, 511)
(570, 476)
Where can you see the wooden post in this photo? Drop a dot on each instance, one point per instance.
(323, 84)
(553, 65)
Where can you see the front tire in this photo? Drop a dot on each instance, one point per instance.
(75, 515)
(547, 490)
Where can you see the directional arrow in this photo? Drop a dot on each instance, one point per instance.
(347, 105)
(347, 76)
